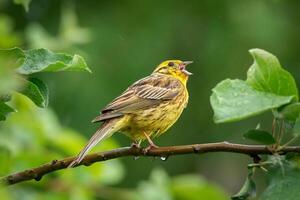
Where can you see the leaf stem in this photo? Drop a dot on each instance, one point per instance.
(273, 127)
(288, 143)
(281, 132)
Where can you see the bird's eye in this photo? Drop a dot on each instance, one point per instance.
(170, 64)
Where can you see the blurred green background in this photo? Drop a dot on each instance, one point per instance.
(123, 41)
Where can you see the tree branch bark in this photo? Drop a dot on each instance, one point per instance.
(164, 152)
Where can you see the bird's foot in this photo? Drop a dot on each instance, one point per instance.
(135, 145)
(73, 163)
(150, 147)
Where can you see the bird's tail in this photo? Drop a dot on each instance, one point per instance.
(105, 131)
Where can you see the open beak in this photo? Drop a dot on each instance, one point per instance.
(183, 67)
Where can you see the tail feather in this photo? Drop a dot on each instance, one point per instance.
(106, 130)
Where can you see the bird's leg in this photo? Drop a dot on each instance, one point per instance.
(151, 143)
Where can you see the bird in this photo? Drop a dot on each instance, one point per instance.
(146, 109)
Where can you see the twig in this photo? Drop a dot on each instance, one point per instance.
(164, 152)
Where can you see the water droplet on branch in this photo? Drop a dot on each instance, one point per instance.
(164, 158)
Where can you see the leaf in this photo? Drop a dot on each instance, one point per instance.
(4, 110)
(44, 60)
(233, 100)
(268, 86)
(37, 91)
(283, 186)
(41, 60)
(267, 75)
(24, 3)
(260, 136)
(290, 112)
(248, 189)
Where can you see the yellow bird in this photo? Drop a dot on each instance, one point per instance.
(148, 108)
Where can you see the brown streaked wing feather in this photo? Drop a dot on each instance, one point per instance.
(147, 92)
(105, 116)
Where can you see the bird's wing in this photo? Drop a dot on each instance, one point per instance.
(147, 92)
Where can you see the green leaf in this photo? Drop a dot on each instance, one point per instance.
(248, 189)
(290, 112)
(4, 110)
(260, 136)
(24, 3)
(44, 60)
(37, 91)
(283, 186)
(233, 100)
(267, 75)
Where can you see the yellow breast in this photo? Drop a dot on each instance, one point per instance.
(156, 120)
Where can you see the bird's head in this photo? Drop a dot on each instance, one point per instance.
(175, 68)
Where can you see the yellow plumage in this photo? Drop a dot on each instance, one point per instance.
(147, 109)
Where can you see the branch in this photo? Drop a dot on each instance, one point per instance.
(164, 152)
